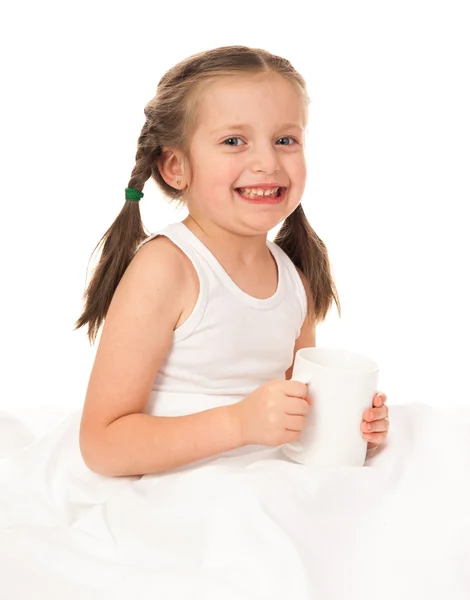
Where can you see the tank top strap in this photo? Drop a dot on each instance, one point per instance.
(174, 232)
(292, 276)
(203, 260)
(224, 278)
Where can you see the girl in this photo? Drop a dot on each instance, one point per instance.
(204, 317)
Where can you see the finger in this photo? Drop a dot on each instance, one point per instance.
(294, 388)
(379, 399)
(290, 436)
(381, 425)
(375, 414)
(295, 423)
(297, 407)
(375, 438)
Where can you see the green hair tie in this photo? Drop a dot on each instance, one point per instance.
(132, 194)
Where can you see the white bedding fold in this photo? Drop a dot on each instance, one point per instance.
(251, 526)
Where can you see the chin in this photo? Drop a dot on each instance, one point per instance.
(263, 224)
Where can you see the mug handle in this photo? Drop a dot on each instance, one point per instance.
(297, 445)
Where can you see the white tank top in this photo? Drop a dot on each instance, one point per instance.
(231, 343)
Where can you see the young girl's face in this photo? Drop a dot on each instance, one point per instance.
(249, 132)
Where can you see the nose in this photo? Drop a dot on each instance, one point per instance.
(265, 159)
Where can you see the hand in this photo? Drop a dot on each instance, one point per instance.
(273, 414)
(377, 418)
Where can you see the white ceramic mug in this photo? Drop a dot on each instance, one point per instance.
(341, 385)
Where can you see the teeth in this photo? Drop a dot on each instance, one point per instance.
(252, 192)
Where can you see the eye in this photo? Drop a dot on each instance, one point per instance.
(287, 138)
(230, 139)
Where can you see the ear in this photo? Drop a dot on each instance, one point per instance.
(171, 165)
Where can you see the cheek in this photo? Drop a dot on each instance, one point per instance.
(211, 185)
(299, 175)
(225, 173)
(217, 176)
(300, 168)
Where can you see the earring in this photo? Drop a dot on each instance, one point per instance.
(178, 182)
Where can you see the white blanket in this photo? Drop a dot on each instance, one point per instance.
(246, 527)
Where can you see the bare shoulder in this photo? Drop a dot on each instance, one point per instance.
(180, 268)
(303, 278)
(308, 290)
(136, 336)
(160, 246)
(307, 336)
(157, 273)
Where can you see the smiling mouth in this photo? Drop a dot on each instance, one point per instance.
(257, 196)
(254, 193)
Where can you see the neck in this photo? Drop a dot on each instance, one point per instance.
(228, 244)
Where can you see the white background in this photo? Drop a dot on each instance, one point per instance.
(388, 186)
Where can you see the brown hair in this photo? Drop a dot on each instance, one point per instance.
(170, 116)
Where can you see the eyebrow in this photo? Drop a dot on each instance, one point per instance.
(245, 126)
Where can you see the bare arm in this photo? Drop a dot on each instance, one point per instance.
(116, 436)
(138, 444)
